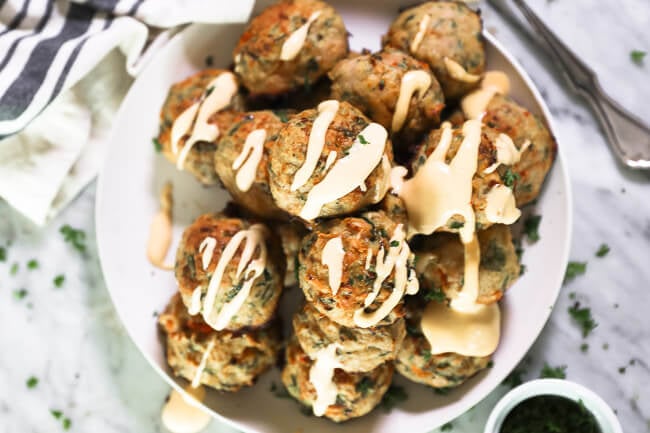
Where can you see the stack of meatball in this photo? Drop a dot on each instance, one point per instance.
(367, 86)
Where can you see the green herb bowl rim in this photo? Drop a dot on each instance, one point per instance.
(602, 412)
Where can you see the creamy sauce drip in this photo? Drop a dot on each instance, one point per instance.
(326, 112)
(294, 43)
(439, 190)
(321, 376)
(182, 414)
(195, 301)
(368, 259)
(348, 172)
(160, 231)
(248, 268)
(249, 159)
(422, 28)
(458, 73)
(206, 249)
(405, 280)
(195, 119)
(507, 152)
(331, 157)
(501, 206)
(475, 103)
(196, 381)
(413, 82)
(332, 257)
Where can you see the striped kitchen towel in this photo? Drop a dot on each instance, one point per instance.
(64, 68)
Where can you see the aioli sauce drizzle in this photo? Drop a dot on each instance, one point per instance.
(501, 206)
(475, 104)
(348, 172)
(331, 157)
(249, 158)
(321, 375)
(182, 414)
(507, 152)
(194, 119)
(195, 303)
(196, 381)
(160, 231)
(248, 268)
(291, 47)
(458, 73)
(207, 250)
(326, 112)
(412, 82)
(415, 43)
(332, 257)
(405, 280)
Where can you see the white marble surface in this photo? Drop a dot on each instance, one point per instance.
(71, 340)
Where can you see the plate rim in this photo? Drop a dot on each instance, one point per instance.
(560, 163)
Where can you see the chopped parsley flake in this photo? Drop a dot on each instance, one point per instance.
(32, 382)
(582, 316)
(426, 355)
(75, 237)
(67, 423)
(394, 243)
(32, 264)
(637, 56)
(14, 269)
(531, 227)
(209, 91)
(553, 372)
(621, 370)
(394, 396)
(456, 225)
(362, 139)
(364, 386)
(3, 254)
(435, 294)
(59, 280)
(447, 427)
(20, 294)
(514, 378)
(57, 414)
(156, 145)
(574, 269)
(278, 391)
(584, 347)
(602, 250)
(509, 178)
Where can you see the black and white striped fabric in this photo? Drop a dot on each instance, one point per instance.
(46, 46)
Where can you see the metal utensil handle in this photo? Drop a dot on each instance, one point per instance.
(628, 136)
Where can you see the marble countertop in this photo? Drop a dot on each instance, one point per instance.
(70, 339)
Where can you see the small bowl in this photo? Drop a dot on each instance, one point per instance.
(601, 411)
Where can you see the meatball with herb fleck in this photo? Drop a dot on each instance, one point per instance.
(241, 159)
(287, 158)
(213, 240)
(445, 30)
(266, 66)
(508, 117)
(416, 362)
(360, 350)
(357, 393)
(234, 359)
(441, 264)
(364, 239)
(200, 159)
(373, 83)
(482, 182)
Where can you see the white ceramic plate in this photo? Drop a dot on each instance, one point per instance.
(128, 198)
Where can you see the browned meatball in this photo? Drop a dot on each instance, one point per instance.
(361, 237)
(360, 349)
(200, 159)
(287, 156)
(234, 360)
(357, 393)
(506, 116)
(482, 182)
(372, 83)
(213, 233)
(257, 56)
(249, 190)
(451, 30)
(441, 264)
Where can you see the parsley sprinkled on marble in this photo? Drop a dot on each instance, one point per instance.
(582, 316)
(156, 145)
(59, 280)
(75, 237)
(574, 269)
(584, 347)
(14, 269)
(637, 56)
(553, 372)
(3, 254)
(20, 293)
(602, 250)
(531, 227)
(31, 382)
(447, 427)
(66, 423)
(32, 264)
